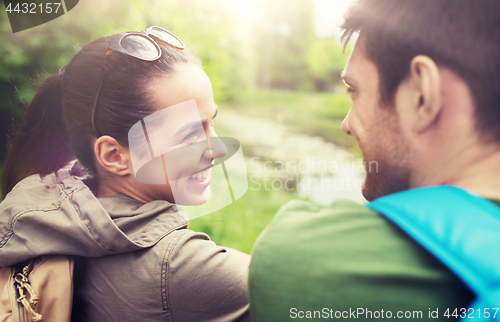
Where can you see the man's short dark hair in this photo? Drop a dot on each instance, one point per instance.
(463, 35)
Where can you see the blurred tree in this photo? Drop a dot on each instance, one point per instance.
(284, 31)
(209, 29)
(326, 61)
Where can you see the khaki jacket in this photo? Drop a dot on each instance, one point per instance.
(133, 261)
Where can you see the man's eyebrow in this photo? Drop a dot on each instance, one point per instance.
(196, 124)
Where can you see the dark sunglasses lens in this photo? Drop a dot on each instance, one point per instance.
(166, 36)
(139, 47)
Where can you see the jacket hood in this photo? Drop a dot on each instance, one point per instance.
(58, 214)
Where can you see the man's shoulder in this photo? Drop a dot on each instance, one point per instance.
(344, 230)
(301, 223)
(338, 207)
(301, 217)
(344, 255)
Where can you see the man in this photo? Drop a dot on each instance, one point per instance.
(425, 83)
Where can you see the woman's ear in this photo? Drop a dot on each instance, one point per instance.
(426, 82)
(112, 157)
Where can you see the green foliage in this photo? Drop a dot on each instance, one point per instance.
(283, 33)
(275, 48)
(209, 29)
(326, 59)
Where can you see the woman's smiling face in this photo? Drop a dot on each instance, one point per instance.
(179, 150)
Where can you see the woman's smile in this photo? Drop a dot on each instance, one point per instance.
(200, 179)
(201, 175)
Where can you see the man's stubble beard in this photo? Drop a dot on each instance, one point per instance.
(386, 162)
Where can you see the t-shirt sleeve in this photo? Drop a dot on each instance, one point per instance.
(204, 282)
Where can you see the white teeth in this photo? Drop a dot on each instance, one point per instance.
(201, 175)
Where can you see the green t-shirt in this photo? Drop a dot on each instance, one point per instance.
(346, 261)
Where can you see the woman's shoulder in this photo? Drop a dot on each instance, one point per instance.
(184, 276)
(186, 250)
(203, 279)
(200, 280)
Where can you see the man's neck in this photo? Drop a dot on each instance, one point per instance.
(475, 169)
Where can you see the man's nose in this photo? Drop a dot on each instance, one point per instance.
(216, 148)
(345, 125)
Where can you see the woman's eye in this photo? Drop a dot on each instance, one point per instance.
(350, 90)
(193, 136)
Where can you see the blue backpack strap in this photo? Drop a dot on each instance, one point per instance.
(460, 229)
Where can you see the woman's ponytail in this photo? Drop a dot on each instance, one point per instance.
(40, 144)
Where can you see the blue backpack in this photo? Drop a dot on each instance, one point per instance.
(461, 230)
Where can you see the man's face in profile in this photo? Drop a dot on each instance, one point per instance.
(376, 128)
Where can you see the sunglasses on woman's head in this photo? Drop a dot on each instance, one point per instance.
(140, 45)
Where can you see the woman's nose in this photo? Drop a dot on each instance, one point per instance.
(216, 148)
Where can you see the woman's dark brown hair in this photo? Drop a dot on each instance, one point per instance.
(57, 126)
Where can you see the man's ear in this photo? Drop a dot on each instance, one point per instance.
(112, 156)
(426, 81)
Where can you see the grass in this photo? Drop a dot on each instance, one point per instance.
(239, 224)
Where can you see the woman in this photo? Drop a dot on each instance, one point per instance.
(141, 128)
